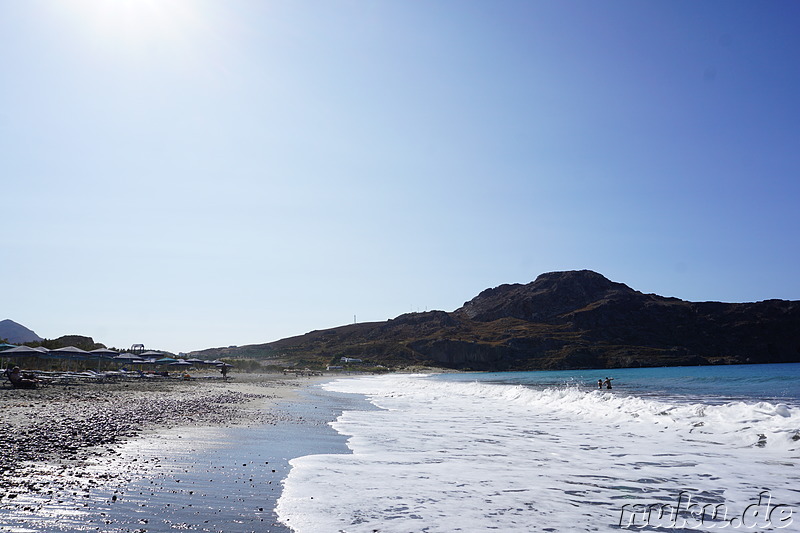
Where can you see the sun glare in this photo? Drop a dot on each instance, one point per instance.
(134, 24)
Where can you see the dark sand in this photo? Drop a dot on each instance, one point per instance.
(112, 456)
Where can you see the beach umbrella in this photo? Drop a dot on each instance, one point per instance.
(22, 351)
(151, 355)
(181, 362)
(70, 352)
(165, 360)
(4, 346)
(125, 358)
(103, 352)
(19, 351)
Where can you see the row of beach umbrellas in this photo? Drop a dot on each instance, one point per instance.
(71, 352)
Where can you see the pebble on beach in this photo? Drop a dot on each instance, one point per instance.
(51, 432)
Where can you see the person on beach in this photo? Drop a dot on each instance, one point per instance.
(224, 370)
(20, 381)
(607, 383)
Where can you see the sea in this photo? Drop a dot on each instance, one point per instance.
(665, 449)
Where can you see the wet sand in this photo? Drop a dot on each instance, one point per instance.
(61, 444)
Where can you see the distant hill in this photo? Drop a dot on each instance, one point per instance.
(78, 341)
(17, 333)
(562, 320)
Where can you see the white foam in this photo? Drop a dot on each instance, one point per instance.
(454, 456)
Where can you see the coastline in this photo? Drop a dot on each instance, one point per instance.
(75, 450)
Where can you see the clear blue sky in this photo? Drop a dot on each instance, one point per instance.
(190, 174)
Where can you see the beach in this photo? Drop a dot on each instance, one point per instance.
(707, 447)
(73, 454)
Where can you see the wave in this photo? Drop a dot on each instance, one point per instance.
(442, 455)
(761, 424)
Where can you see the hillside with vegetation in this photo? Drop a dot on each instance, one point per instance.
(562, 320)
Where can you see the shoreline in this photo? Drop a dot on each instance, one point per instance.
(65, 442)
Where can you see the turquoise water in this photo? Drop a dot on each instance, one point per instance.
(708, 384)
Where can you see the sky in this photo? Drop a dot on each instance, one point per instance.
(189, 174)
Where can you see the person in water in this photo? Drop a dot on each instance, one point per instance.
(599, 383)
(607, 383)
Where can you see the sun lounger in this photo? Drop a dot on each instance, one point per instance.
(17, 381)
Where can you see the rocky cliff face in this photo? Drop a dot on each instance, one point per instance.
(576, 319)
(545, 299)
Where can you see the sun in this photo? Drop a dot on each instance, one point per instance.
(136, 24)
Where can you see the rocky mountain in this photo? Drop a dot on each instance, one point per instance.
(17, 333)
(575, 319)
(550, 296)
